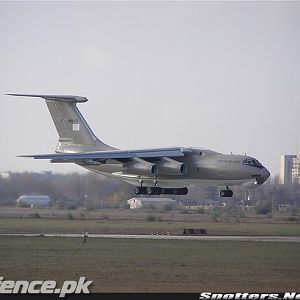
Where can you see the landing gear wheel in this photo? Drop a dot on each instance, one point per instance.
(158, 190)
(138, 190)
(184, 191)
(150, 190)
(154, 190)
(226, 193)
(164, 191)
(223, 193)
(180, 191)
(174, 191)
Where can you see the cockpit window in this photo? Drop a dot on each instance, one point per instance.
(252, 162)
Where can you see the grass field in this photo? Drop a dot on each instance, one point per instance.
(124, 265)
(119, 265)
(20, 220)
(141, 227)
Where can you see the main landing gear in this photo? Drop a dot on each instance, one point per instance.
(226, 193)
(156, 190)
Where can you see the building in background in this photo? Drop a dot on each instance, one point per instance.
(4, 175)
(289, 169)
(33, 200)
(135, 203)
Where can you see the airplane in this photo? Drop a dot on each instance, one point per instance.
(159, 171)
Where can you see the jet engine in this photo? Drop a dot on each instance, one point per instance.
(168, 166)
(140, 167)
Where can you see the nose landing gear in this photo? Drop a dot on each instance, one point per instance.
(226, 193)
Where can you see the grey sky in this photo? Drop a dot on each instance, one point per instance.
(222, 75)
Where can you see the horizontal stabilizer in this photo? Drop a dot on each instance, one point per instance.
(60, 98)
(104, 155)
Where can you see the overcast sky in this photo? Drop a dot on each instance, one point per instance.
(220, 75)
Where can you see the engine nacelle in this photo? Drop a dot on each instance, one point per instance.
(140, 167)
(168, 166)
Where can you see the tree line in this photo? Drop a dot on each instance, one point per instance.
(96, 191)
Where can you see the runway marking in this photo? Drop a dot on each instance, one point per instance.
(237, 238)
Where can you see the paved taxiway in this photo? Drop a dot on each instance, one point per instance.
(238, 238)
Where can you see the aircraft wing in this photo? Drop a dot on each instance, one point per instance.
(102, 156)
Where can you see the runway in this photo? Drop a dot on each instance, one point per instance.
(236, 238)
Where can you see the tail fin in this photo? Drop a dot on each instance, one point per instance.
(75, 135)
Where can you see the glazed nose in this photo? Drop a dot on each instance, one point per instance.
(265, 174)
(262, 176)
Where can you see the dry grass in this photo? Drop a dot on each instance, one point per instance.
(140, 215)
(117, 265)
(120, 224)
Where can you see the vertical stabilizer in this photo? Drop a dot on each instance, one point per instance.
(75, 135)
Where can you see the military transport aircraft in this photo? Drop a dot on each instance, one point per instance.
(151, 171)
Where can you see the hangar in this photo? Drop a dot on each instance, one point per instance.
(34, 200)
